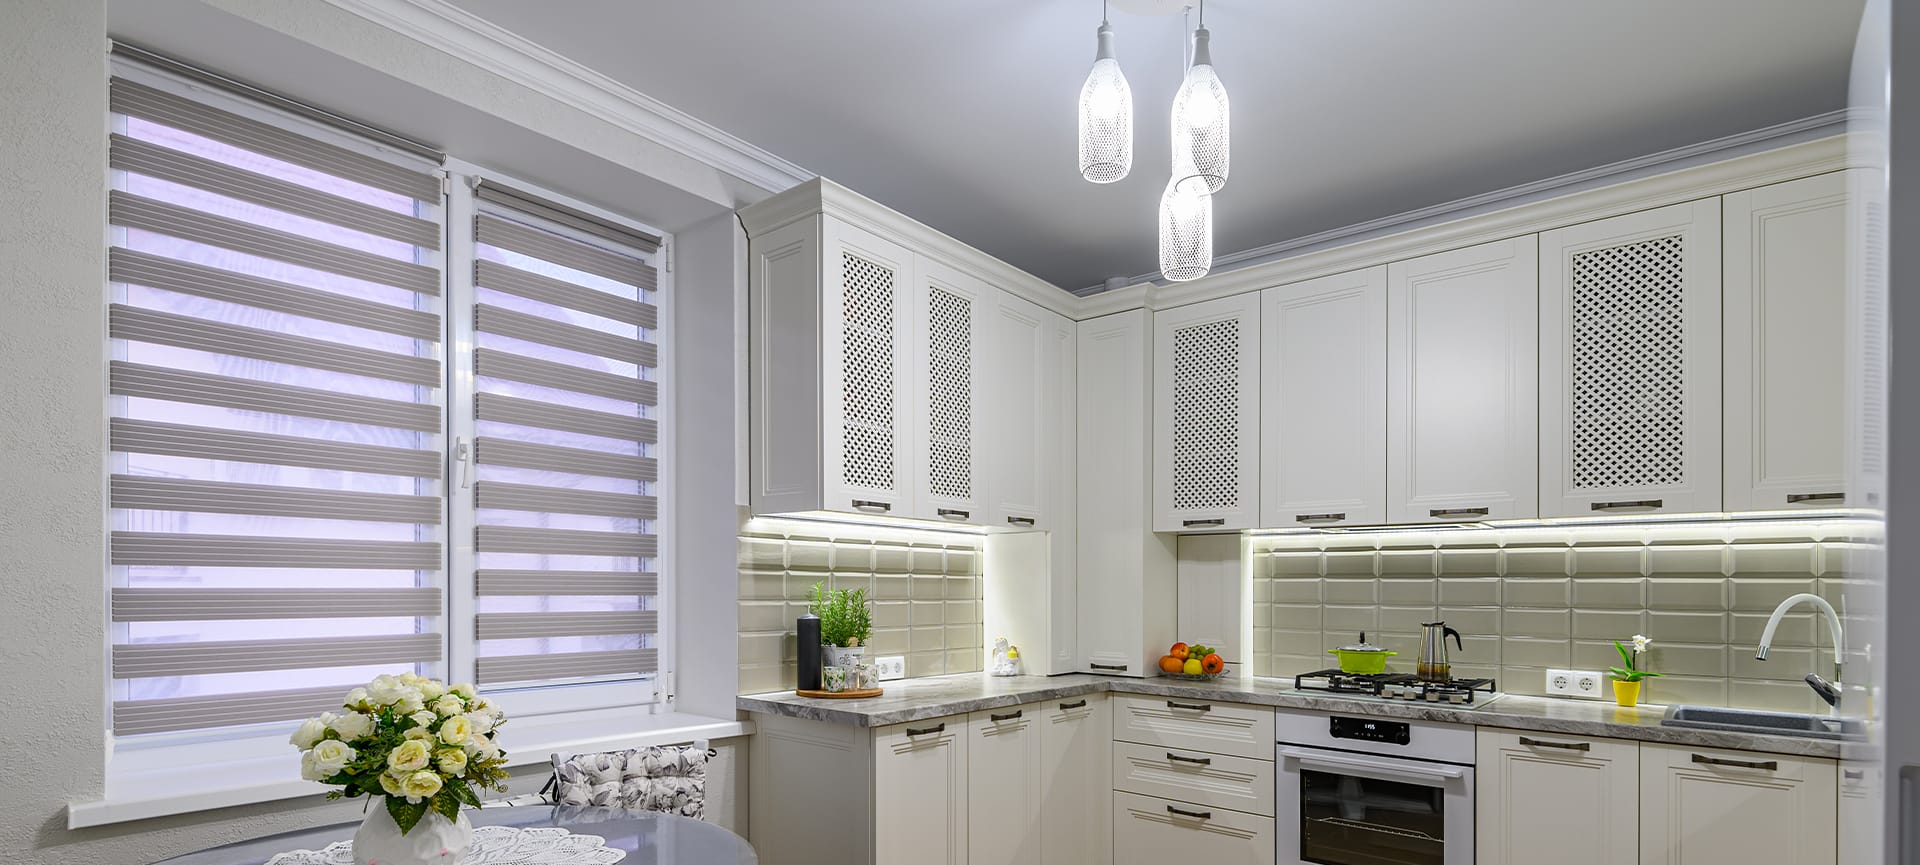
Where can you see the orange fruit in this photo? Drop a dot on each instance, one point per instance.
(1169, 664)
(1179, 650)
(1212, 664)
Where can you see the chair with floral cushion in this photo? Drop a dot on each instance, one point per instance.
(670, 779)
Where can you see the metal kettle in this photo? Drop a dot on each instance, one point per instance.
(1433, 666)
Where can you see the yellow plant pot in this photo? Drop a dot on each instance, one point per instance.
(1626, 693)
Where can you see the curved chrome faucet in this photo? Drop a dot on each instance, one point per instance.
(1828, 690)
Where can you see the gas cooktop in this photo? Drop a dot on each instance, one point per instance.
(1399, 687)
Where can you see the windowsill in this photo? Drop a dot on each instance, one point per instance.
(140, 795)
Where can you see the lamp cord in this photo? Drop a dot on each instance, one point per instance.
(1103, 12)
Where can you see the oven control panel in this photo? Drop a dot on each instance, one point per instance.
(1370, 729)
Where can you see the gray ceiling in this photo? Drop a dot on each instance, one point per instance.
(961, 114)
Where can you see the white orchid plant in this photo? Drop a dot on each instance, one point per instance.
(418, 742)
(1632, 671)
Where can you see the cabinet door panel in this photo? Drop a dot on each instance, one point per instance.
(1025, 400)
(1786, 308)
(1003, 786)
(1630, 364)
(1323, 401)
(1206, 415)
(1702, 807)
(920, 792)
(1149, 831)
(865, 313)
(1075, 781)
(1461, 384)
(949, 373)
(1563, 799)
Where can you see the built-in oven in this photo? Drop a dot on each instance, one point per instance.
(1372, 791)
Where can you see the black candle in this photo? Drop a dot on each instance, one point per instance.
(808, 628)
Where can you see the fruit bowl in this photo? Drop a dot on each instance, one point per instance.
(1194, 677)
(1194, 663)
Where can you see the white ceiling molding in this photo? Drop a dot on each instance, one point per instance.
(461, 34)
(1719, 149)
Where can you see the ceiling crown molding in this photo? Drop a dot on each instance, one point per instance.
(462, 34)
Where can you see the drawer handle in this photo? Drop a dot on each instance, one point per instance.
(1763, 765)
(1853, 774)
(1799, 498)
(928, 731)
(1201, 524)
(1541, 743)
(1457, 512)
(1010, 716)
(1077, 704)
(1118, 668)
(1623, 506)
(1027, 522)
(1197, 815)
(1191, 707)
(1318, 518)
(1197, 761)
(876, 507)
(952, 514)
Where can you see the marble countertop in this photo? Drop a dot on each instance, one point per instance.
(939, 696)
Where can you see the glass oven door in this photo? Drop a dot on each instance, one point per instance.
(1355, 809)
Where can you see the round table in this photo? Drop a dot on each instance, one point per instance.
(649, 839)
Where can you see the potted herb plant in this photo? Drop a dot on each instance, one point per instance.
(1626, 679)
(846, 623)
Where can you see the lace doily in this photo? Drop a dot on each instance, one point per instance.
(492, 845)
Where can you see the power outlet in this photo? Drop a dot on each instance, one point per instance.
(890, 667)
(1575, 683)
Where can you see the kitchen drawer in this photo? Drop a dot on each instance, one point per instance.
(1145, 832)
(1214, 780)
(1195, 725)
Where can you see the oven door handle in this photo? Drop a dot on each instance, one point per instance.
(1422, 774)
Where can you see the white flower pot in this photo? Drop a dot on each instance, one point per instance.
(435, 840)
(843, 656)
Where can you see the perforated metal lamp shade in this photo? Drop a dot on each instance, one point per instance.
(1106, 117)
(1201, 121)
(1186, 230)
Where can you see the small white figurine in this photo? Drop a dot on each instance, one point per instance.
(1006, 658)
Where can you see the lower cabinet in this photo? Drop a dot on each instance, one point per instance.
(1075, 775)
(1701, 807)
(1003, 789)
(920, 795)
(1545, 798)
(1150, 831)
(1193, 782)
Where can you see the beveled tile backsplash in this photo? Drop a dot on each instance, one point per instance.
(925, 588)
(1527, 599)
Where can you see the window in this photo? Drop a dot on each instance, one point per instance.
(302, 494)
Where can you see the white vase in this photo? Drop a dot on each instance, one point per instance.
(435, 840)
(843, 656)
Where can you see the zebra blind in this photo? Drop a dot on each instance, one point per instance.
(276, 412)
(565, 430)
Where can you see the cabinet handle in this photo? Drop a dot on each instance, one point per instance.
(1457, 512)
(876, 507)
(1201, 524)
(1010, 716)
(1197, 815)
(951, 514)
(1198, 761)
(1853, 774)
(1541, 743)
(1764, 765)
(1020, 521)
(1801, 498)
(1318, 518)
(1191, 707)
(928, 731)
(1077, 704)
(1621, 506)
(1118, 668)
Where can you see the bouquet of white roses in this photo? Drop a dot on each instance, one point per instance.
(420, 743)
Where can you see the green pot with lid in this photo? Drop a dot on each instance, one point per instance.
(1362, 658)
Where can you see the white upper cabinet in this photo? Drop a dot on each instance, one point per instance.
(1461, 384)
(1206, 428)
(1630, 364)
(866, 306)
(948, 373)
(1026, 355)
(1786, 327)
(1323, 401)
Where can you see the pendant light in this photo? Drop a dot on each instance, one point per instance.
(1186, 230)
(1200, 117)
(1106, 114)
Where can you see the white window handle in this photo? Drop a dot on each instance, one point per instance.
(462, 454)
(1425, 775)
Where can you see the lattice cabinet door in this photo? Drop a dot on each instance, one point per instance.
(866, 333)
(1206, 405)
(950, 379)
(1630, 364)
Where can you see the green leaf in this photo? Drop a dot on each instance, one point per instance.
(464, 793)
(405, 814)
(1623, 675)
(1626, 657)
(447, 804)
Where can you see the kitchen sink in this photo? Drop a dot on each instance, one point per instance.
(1755, 721)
